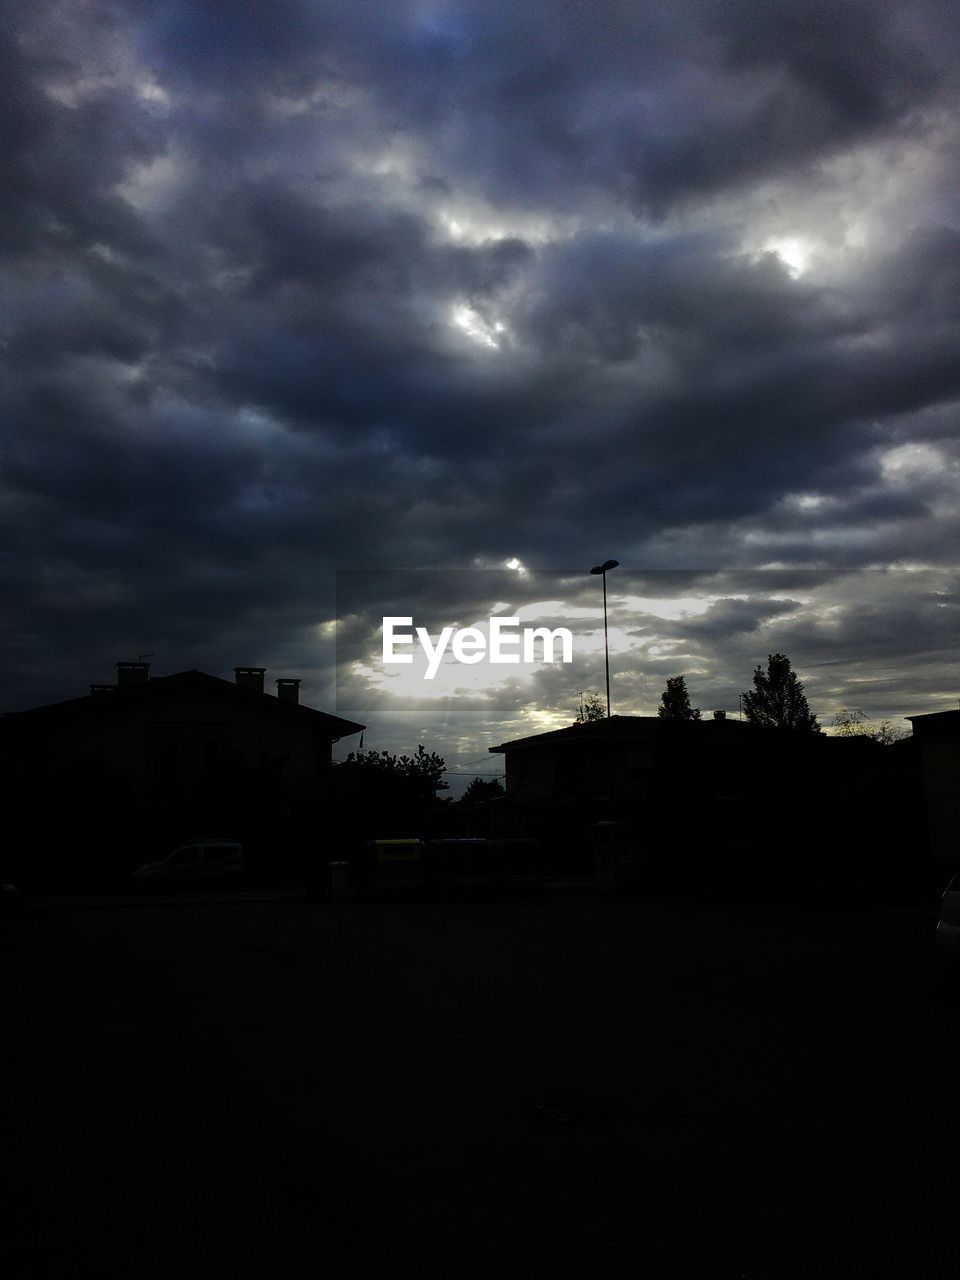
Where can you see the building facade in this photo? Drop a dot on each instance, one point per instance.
(938, 739)
(137, 763)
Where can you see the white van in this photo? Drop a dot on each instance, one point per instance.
(201, 861)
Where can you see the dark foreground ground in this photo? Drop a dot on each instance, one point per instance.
(258, 1087)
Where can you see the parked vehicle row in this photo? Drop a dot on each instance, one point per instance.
(432, 867)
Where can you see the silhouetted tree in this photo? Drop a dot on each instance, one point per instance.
(483, 789)
(778, 700)
(852, 723)
(591, 708)
(420, 775)
(887, 733)
(376, 792)
(675, 701)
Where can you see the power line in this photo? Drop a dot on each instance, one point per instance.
(470, 773)
(465, 764)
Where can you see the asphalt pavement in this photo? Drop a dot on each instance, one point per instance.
(251, 1085)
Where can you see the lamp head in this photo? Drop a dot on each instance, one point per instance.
(603, 568)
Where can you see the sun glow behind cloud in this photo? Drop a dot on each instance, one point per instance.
(795, 252)
(469, 223)
(668, 608)
(487, 333)
(907, 462)
(454, 679)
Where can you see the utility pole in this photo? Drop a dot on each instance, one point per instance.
(603, 569)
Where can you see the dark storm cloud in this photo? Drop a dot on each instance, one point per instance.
(293, 286)
(645, 101)
(61, 162)
(736, 617)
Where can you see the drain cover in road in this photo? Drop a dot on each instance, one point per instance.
(577, 1110)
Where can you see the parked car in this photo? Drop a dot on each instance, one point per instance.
(468, 864)
(948, 925)
(206, 862)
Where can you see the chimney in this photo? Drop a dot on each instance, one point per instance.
(719, 715)
(130, 674)
(250, 678)
(289, 691)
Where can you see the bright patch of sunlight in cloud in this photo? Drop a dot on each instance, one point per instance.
(911, 462)
(795, 252)
(484, 332)
(475, 225)
(806, 501)
(148, 90)
(670, 607)
(146, 185)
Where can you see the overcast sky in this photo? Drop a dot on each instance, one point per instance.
(293, 287)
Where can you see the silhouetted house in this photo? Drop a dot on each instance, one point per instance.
(938, 740)
(717, 793)
(666, 790)
(631, 760)
(189, 746)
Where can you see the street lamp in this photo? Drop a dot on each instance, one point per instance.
(603, 569)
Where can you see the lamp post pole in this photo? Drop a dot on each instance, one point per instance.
(602, 569)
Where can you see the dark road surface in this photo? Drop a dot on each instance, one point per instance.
(266, 1088)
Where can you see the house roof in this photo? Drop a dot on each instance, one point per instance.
(335, 727)
(936, 722)
(627, 729)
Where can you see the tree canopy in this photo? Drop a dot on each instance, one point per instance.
(421, 774)
(777, 700)
(591, 708)
(483, 789)
(376, 793)
(675, 701)
(852, 723)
